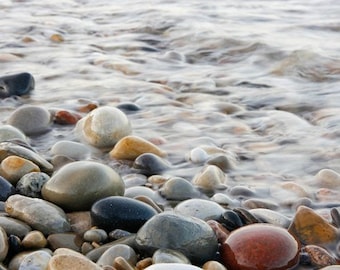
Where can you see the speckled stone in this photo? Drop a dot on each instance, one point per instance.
(177, 188)
(34, 239)
(103, 127)
(210, 178)
(199, 208)
(30, 184)
(3, 244)
(35, 260)
(6, 189)
(39, 214)
(191, 236)
(164, 255)
(319, 257)
(130, 147)
(120, 250)
(71, 261)
(117, 212)
(13, 168)
(174, 266)
(260, 246)
(14, 226)
(72, 150)
(8, 132)
(31, 120)
(77, 185)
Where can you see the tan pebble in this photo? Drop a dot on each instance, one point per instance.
(34, 239)
(328, 178)
(295, 188)
(327, 195)
(80, 221)
(121, 264)
(8, 57)
(209, 178)
(27, 39)
(142, 264)
(65, 240)
(149, 201)
(130, 147)
(213, 265)
(319, 256)
(221, 232)
(68, 251)
(64, 261)
(13, 168)
(86, 247)
(157, 179)
(57, 38)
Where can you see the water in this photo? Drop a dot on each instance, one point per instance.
(187, 64)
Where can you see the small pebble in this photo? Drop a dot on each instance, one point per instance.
(14, 226)
(63, 117)
(327, 178)
(30, 184)
(164, 255)
(119, 250)
(34, 239)
(95, 235)
(16, 84)
(6, 189)
(174, 266)
(68, 261)
(3, 244)
(177, 188)
(210, 178)
(70, 149)
(36, 260)
(65, 240)
(8, 132)
(149, 164)
(213, 265)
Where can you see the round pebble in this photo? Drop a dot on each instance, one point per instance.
(210, 178)
(71, 261)
(34, 239)
(3, 244)
(77, 185)
(328, 178)
(164, 255)
(14, 226)
(16, 84)
(6, 189)
(73, 150)
(103, 127)
(119, 250)
(35, 260)
(30, 184)
(117, 212)
(260, 246)
(177, 188)
(8, 132)
(150, 164)
(95, 235)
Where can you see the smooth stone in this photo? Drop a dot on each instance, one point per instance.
(31, 120)
(177, 188)
(210, 178)
(8, 132)
(120, 250)
(199, 208)
(34, 239)
(150, 164)
(130, 147)
(254, 203)
(174, 266)
(312, 229)
(14, 226)
(295, 188)
(95, 235)
(225, 200)
(128, 107)
(16, 84)
(73, 150)
(332, 267)
(117, 212)
(260, 246)
(104, 126)
(13, 168)
(36, 260)
(270, 216)
(327, 178)
(213, 265)
(164, 255)
(66, 117)
(65, 240)
(198, 155)
(3, 244)
(77, 185)
(30, 184)
(222, 161)
(80, 221)
(132, 192)
(6, 189)
(68, 261)
(191, 236)
(39, 214)
(319, 257)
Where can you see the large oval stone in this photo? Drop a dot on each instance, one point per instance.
(260, 246)
(77, 185)
(117, 212)
(191, 236)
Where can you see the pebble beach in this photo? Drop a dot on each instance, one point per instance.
(161, 135)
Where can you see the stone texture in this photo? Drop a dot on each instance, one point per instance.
(149, 164)
(164, 255)
(210, 178)
(68, 261)
(35, 261)
(65, 240)
(8, 132)
(14, 226)
(30, 184)
(174, 266)
(3, 244)
(177, 188)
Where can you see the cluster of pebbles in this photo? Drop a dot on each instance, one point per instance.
(69, 209)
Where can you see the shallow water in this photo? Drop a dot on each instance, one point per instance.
(187, 65)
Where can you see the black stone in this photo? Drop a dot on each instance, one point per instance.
(16, 84)
(150, 164)
(128, 107)
(6, 189)
(117, 212)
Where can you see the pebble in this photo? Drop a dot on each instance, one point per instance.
(35, 260)
(327, 178)
(64, 117)
(6, 189)
(3, 244)
(260, 246)
(8, 132)
(174, 266)
(224, 162)
(13, 226)
(103, 126)
(120, 250)
(213, 265)
(224, 200)
(13, 168)
(80, 221)
(39, 214)
(70, 149)
(319, 257)
(117, 212)
(95, 235)
(130, 147)
(30, 184)
(164, 255)
(34, 239)
(199, 208)
(254, 203)
(65, 240)
(272, 217)
(178, 188)
(198, 155)
(31, 120)
(77, 185)
(149, 164)
(132, 192)
(71, 261)
(210, 178)
(16, 84)
(191, 236)
(312, 229)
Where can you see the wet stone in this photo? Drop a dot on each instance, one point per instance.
(117, 212)
(119, 250)
(270, 216)
(34, 239)
(72, 150)
(16, 84)
(150, 164)
(77, 185)
(6, 189)
(71, 261)
(319, 257)
(95, 235)
(177, 188)
(260, 203)
(210, 178)
(30, 184)
(191, 236)
(14, 226)
(260, 246)
(327, 178)
(35, 260)
(8, 132)
(3, 244)
(65, 240)
(80, 221)
(213, 265)
(164, 255)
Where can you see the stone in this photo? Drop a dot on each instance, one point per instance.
(14, 226)
(199, 208)
(65, 240)
(327, 178)
(130, 147)
(272, 217)
(103, 127)
(312, 229)
(65, 117)
(8, 132)
(178, 188)
(135, 191)
(72, 150)
(80, 221)
(13, 168)
(31, 120)
(6, 189)
(254, 203)
(71, 261)
(16, 84)
(319, 257)
(77, 185)
(213, 265)
(149, 164)
(35, 260)
(260, 246)
(119, 250)
(174, 266)
(191, 236)
(117, 212)
(37, 213)
(164, 255)
(95, 235)
(3, 244)
(30, 184)
(210, 178)
(34, 240)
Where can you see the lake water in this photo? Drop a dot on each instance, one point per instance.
(259, 79)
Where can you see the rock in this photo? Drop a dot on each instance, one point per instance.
(254, 203)
(30, 184)
(95, 235)
(71, 261)
(117, 212)
(213, 265)
(191, 236)
(16, 84)
(327, 178)
(270, 216)
(210, 178)
(164, 255)
(120, 250)
(34, 240)
(13, 168)
(199, 208)
(39, 214)
(80, 221)
(77, 185)
(13, 226)
(8, 132)
(312, 229)
(130, 147)
(174, 266)
(35, 260)
(319, 257)
(260, 246)
(198, 155)
(177, 188)
(150, 164)
(31, 120)
(64, 117)
(6, 189)
(128, 107)
(103, 127)
(65, 240)
(135, 191)
(73, 150)
(3, 244)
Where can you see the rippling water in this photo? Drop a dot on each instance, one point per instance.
(257, 78)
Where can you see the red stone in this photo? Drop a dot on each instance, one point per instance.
(260, 247)
(66, 118)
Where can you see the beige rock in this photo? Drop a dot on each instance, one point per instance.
(210, 178)
(327, 178)
(34, 239)
(71, 261)
(213, 265)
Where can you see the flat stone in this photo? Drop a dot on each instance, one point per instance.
(164, 255)
(14, 226)
(65, 240)
(16, 84)
(77, 185)
(177, 188)
(175, 266)
(80, 221)
(72, 150)
(149, 164)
